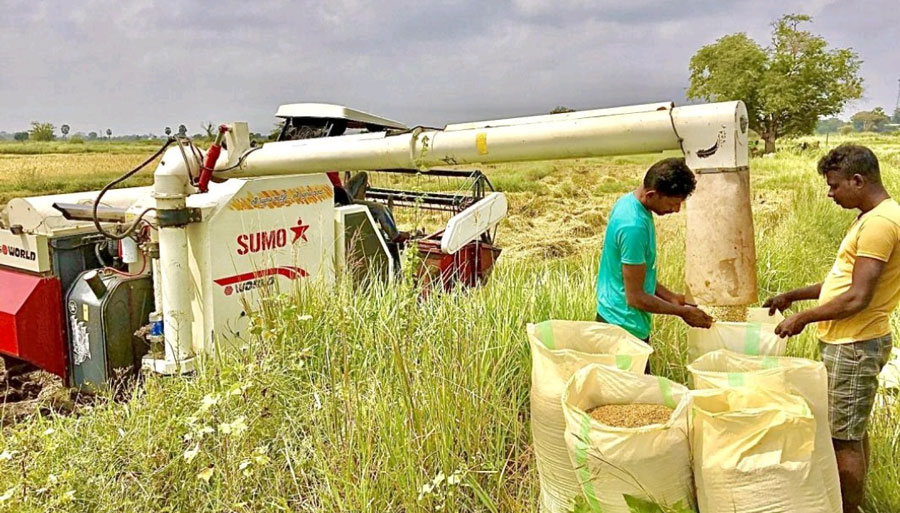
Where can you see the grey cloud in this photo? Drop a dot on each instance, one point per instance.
(139, 66)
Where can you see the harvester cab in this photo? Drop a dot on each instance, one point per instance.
(311, 120)
(468, 254)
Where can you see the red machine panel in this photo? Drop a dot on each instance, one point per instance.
(31, 321)
(470, 266)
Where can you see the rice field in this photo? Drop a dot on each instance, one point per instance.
(380, 400)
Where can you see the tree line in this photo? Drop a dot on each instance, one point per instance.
(41, 131)
(875, 120)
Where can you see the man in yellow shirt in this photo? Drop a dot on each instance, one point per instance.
(855, 303)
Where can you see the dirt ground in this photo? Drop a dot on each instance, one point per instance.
(25, 392)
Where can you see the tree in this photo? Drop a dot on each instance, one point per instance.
(787, 87)
(182, 131)
(209, 129)
(870, 120)
(561, 110)
(109, 133)
(65, 130)
(168, 131)
(42, 131)
(21, 136)
(92, 135)
(829, 126)
(896, 117)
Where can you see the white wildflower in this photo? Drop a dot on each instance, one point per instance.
(425, 490)
(191, 453)
(236, 428)
(208, 402)
(205, 474)
(455, 478)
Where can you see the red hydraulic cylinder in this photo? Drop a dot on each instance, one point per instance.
(212, 155)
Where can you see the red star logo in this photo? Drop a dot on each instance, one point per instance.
(299, 230)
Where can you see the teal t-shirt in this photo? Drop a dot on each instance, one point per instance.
(630, 239)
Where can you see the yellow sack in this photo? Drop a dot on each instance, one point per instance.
(753, 338)
(752, 452)
(797, 376)
(558, 349)
(652, 463)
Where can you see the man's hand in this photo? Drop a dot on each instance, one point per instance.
(791, 326)
(696, 317)
(781, 302)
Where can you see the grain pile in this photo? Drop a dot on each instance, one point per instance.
(631, 415)
(727, 313)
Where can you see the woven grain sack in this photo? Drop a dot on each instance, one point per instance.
(751, 338)
(797, 376)
(651, 463)
(558, 349)
(752, 451)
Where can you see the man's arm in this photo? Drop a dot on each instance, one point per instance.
(866, 272)
(671, 297)
(636, 297)
(782, 302)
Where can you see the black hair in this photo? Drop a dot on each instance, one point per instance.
(851, 159)
(671, 177)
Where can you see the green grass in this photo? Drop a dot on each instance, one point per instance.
(380, 392)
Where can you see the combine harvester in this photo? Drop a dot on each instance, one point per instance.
(156, 276)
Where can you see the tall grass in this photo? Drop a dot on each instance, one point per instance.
(379, 400)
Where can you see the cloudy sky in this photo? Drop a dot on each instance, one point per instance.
(137, 66)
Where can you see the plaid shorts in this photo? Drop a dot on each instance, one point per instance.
(853, 382)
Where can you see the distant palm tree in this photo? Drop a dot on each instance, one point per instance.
(65, 130)
(109, 132)
(182, 131)
(168, 131)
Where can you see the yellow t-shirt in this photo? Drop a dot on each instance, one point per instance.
(875, 234)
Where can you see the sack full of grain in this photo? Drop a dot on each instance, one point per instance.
(752, 338)
(558, 350)
(753, 452)
(797, 376)
(627, 436)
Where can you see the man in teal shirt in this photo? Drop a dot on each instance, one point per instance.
(627, 288)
